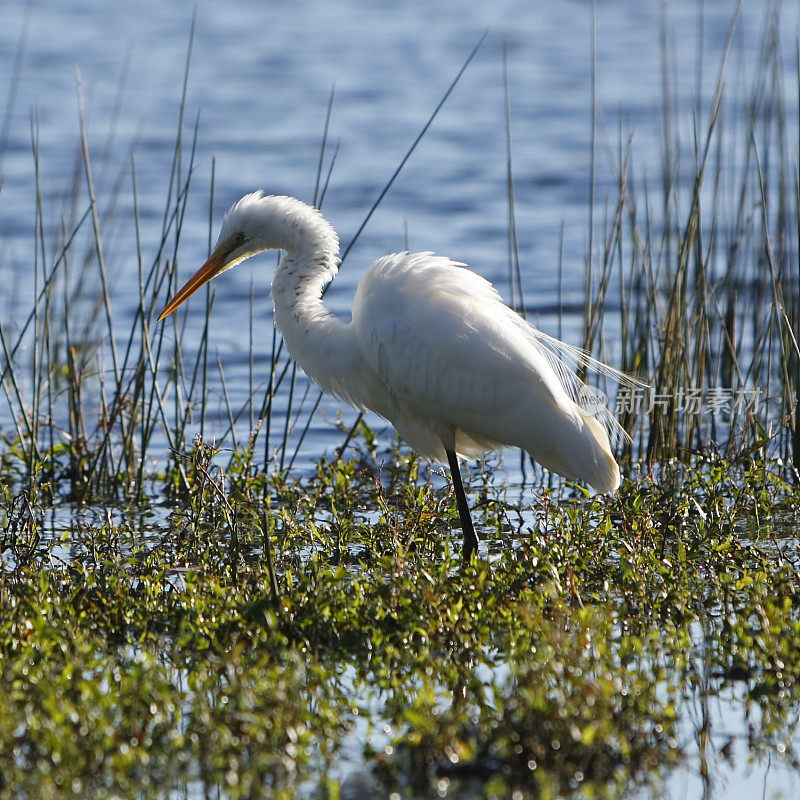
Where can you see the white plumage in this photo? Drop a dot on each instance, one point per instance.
(431, 347)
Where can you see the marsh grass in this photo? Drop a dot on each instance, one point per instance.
(266, 630)
(707, 272)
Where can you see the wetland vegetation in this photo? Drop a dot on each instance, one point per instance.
(187, 618)
(273, 631)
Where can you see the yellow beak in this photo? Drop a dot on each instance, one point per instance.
(216, 263)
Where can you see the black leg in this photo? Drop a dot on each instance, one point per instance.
(470, 537)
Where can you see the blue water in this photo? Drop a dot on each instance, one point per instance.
(259, 83)
(260, 79)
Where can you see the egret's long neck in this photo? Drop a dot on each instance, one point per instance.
(297, 289)
(316, 339)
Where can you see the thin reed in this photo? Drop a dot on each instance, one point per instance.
(707, 272)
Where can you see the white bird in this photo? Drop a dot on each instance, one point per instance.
(430, 346)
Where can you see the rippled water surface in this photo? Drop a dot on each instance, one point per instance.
(259, 82)
(260, 78)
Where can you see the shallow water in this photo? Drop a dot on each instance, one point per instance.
(260, 79)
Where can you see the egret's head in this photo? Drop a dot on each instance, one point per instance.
(238, 240)
(246, 229)
(256, 223)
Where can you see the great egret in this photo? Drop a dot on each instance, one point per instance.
(431, 347)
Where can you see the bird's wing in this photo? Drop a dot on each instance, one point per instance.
(440, 337)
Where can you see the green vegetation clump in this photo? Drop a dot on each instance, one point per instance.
(272, 631)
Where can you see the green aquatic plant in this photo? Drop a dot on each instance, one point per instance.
(341, 625)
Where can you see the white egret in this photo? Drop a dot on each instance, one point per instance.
(430, 346)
